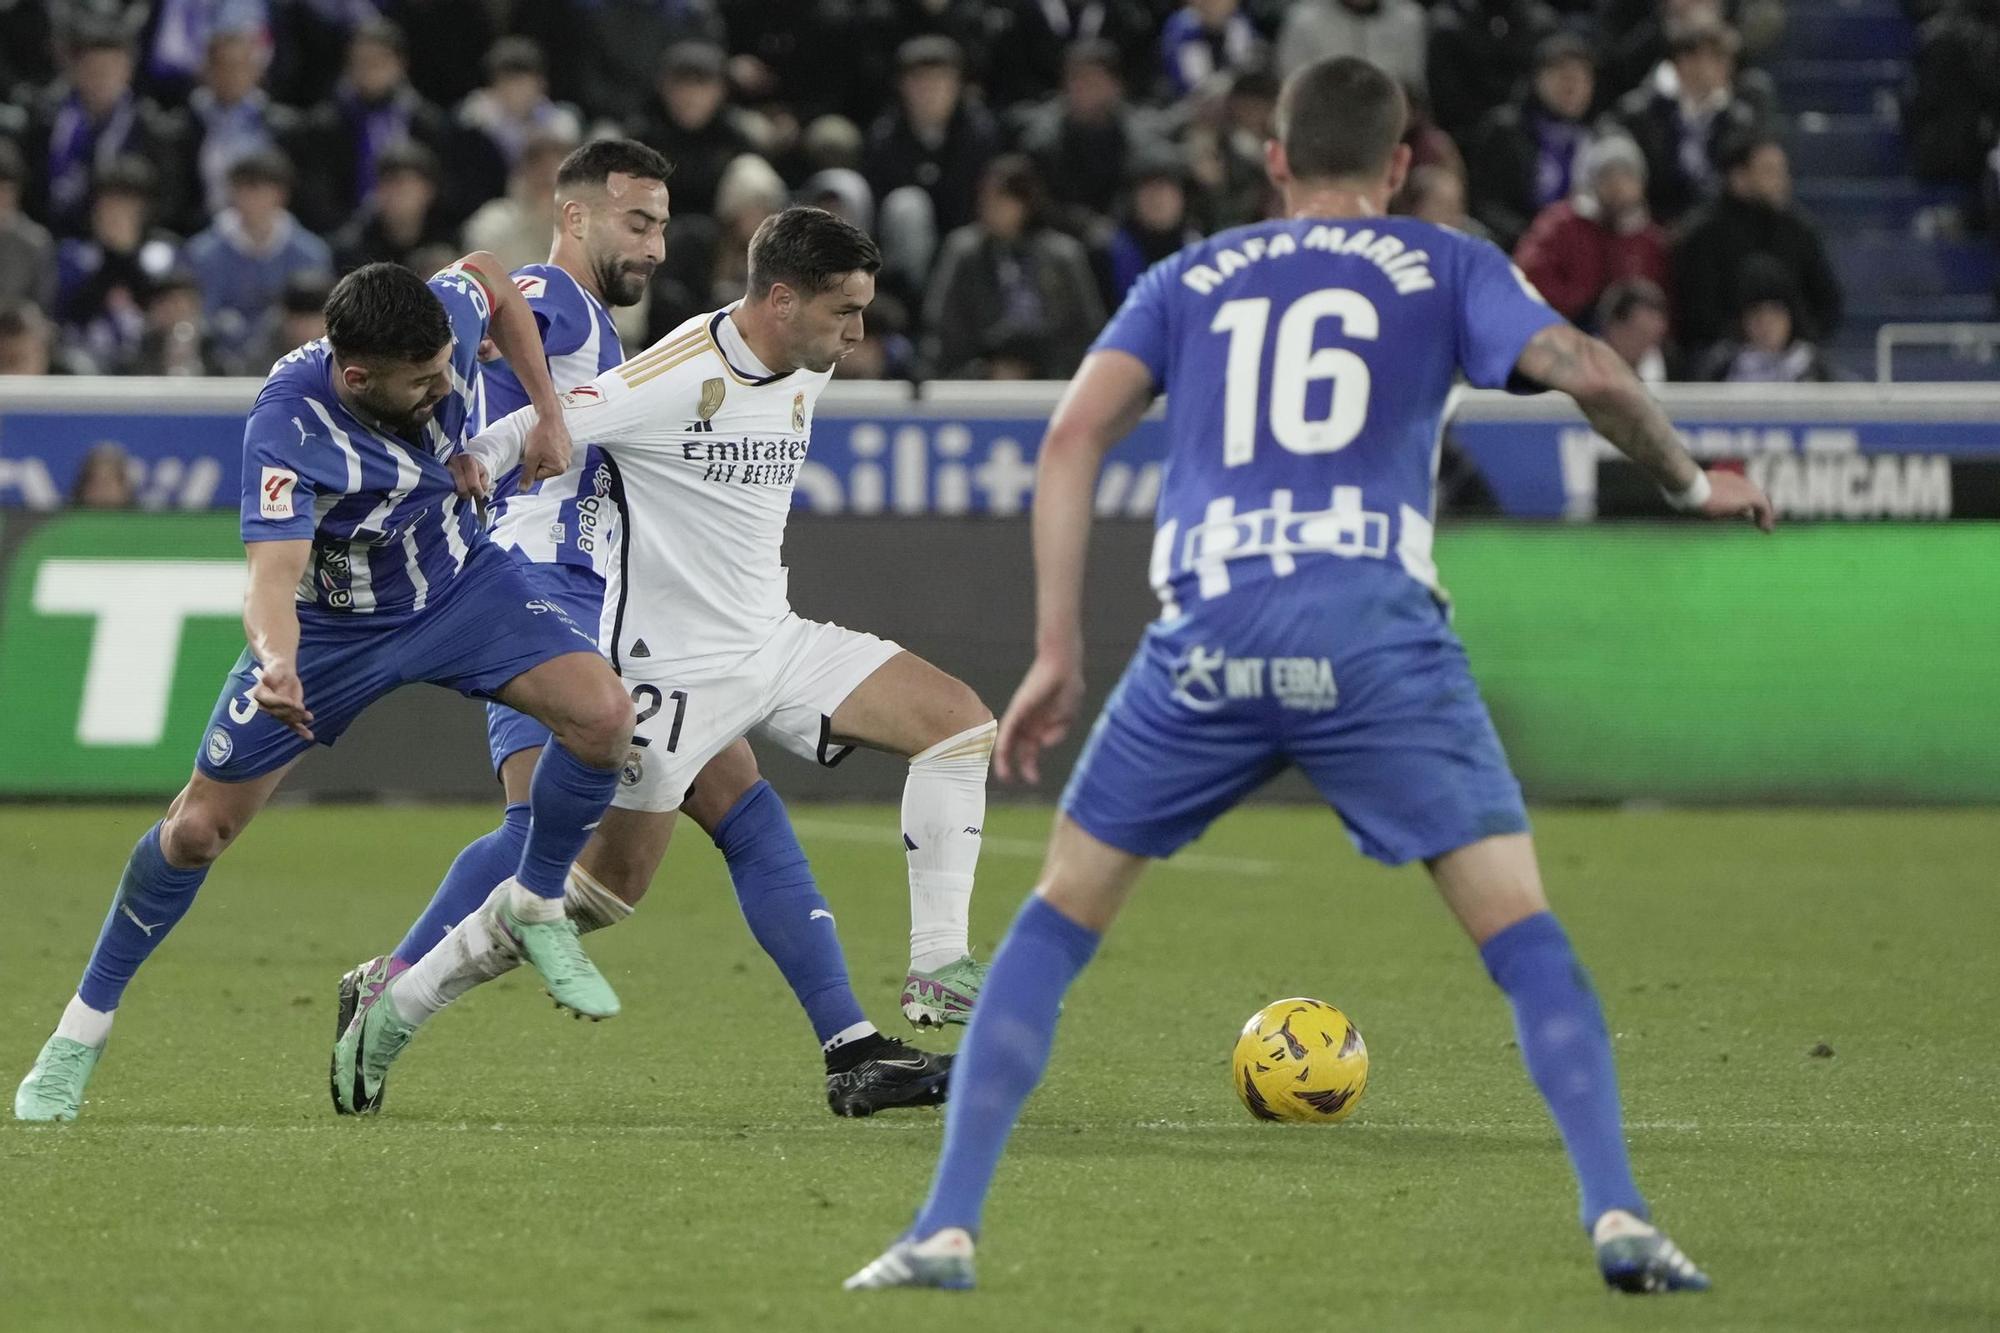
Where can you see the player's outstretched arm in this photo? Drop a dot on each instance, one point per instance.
(271, 625)
(607, 412)
(516, 336)
(1611, 397)
(1110, 393)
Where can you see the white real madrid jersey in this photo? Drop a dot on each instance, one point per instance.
(706, 444)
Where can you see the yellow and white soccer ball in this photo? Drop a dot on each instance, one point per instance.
(1300, 1060)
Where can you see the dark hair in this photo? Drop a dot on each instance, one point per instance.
(1561, 46)
(1623, 297)
(1098, 51)
(1339, 119)
(126, 174)
(1014, 175)
(1737, 150)
(514, 55)
(305, 294)
(1698, 34)
(384, 312)
(698, 60)
(266, 166)
(104, 33)
(809, 250)
(595, 162)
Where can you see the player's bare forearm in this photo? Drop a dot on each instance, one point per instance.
(1109, 394)
(513, 330)
(1612, 399)
(270, 607)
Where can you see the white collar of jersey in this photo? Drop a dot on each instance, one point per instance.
(736, 353)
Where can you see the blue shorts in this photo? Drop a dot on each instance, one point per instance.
(1355, 677)
(578, 591)
(486, 628)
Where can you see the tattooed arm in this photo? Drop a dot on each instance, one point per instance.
(1613, 400)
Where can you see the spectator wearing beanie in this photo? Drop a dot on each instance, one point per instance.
(1523, 157)
(927, 151)
(254, 248)
(1600, 235)
(1767, 347)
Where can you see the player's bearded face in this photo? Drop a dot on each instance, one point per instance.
(826, 327)
(402, 395)
(627, 237)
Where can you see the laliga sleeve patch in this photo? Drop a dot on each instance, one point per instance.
(583, 395)
(532, 285)
(276, 487)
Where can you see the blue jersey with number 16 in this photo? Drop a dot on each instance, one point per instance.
(1307, 366)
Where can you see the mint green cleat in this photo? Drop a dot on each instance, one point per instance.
(552, 949)
(932, 999)
(943, 1260)
(369, 1036)
(53, 1089)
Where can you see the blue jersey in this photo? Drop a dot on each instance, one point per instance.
(1307, 367)
(571, 519)
(389, 532)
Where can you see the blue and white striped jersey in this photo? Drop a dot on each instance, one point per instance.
(389, 532)
(572, 519)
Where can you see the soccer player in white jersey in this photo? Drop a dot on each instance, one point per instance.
(1307, 362)
(704, 433)
(612, 214)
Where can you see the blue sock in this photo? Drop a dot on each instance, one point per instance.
(1568, 1054)
(775, 889)
(484, 862)
(1005, 1050)
(152, 896)
(566, 800)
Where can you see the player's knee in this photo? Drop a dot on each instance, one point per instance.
(956, 709)
(195, 835)
(600, 723)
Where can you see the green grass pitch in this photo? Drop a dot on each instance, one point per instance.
(677, 1168)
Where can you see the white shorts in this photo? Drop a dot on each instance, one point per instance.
(786, 691)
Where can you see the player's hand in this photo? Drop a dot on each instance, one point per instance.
(1040, 715)
(547, 451)
(469, 475)
(281, 693)
(1733, 495)
(488, 350)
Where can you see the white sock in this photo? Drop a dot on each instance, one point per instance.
(473, 951)
(853, 1032)
(530, 906)
(477, 950)
(1617, 1222)
(944, 815)
(82, 1023)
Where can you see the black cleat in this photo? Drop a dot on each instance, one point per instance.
(350, 1000)
(878, 1073)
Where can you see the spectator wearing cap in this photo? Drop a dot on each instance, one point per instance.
(1752, 217)
(1154, 225)
(1601, 234)
(401, 222)
(1523, 157)
(298, 318)
(1682, 132)
(925, 154)
(1009, 287)
(1027, 42)
(373, 109)
(693, 125)
(516, 227)
(1388, 33)
(1632, 319)
(176, 340)
(1206, 39)
(232, 116)
(1481, 52)
(253, 249)
(91, 118)
(27, 251)
(497, 122)
(105, 278)
(1083, 140)
(1767, 347)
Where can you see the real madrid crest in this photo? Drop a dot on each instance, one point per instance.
(799, 410)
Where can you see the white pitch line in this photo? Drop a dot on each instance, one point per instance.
(1027, 849)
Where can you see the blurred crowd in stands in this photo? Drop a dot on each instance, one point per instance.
(181, 181)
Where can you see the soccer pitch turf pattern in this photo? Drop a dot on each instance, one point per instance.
(677, 1168)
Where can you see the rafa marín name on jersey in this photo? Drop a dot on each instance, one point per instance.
(1407, 269)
